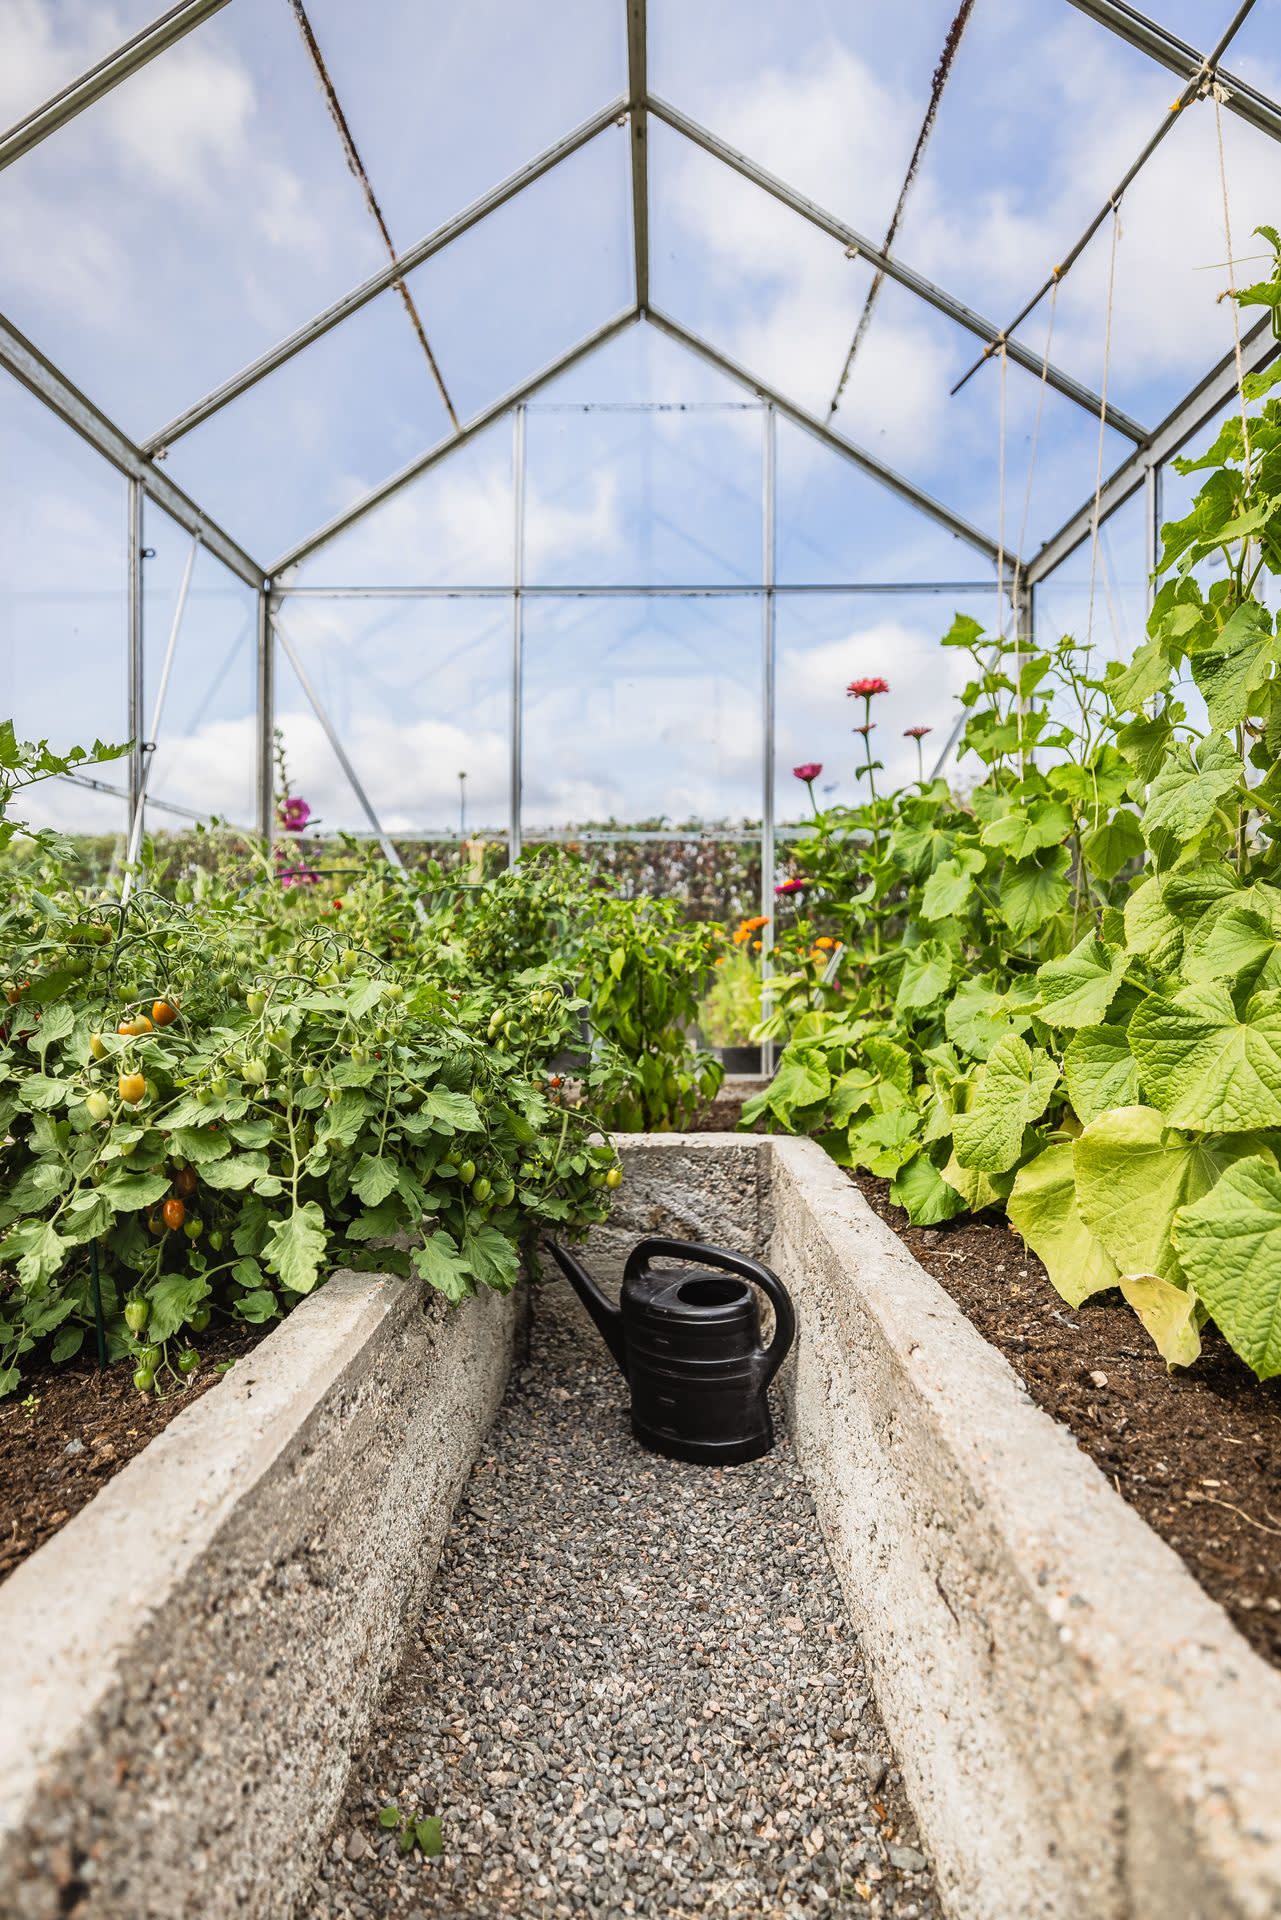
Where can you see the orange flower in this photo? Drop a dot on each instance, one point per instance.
(825, 940)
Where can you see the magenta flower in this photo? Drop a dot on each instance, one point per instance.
(864, 689)
(810, 771)
(790, 886)
(868, 726)
(916, 733)
(297, 876)
(293, 813)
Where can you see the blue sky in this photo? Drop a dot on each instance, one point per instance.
(203, 210)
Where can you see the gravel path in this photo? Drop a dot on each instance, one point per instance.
(632, 1692)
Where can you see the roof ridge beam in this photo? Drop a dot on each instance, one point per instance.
(1259, 348)
(100, 79)
(1248, 102)
(894, 269)
(810, 423)
(477, 424)
(385, 278)
(27, 364)
(637, 98)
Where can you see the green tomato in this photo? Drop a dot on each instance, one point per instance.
(150, 1357)
(193, 1226)
(393, 991)
(98, 1107)
(255, 1001)
(310, 1075)
(505, 1192)
(454, 1157)
(467, 1172)
(220, 1087)
(481, 1190)
(255, 1072)
(144, 1379)
(614, 1179)
(188, 1360)
(200, 1318)
(215, 1239)
(137, 1314)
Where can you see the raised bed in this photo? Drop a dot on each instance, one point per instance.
(190, 1662)
(1082, 1730)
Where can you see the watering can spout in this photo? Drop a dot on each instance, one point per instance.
(608, 1318)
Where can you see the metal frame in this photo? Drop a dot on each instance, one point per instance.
(769, 559)
(145, 479)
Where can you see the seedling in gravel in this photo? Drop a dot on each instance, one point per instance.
(421, 1830)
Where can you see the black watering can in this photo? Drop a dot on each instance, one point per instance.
(688, 1339)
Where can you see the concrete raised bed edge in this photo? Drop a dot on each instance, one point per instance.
(1083, 1732)
(191, 1661)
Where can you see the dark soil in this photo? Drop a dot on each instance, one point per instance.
(69, 1428)
(1198, 1453)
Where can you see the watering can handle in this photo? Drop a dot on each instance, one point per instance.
(752, 1270)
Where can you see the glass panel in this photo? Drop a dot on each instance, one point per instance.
(1043, 113)
(1169, 324)
(756, 280)
(206, 747)
(419, 692)
(825, 641)
(46, 48)
(642, 712)
(828, 97)
(1112, 619)
(643, 364)
(186, 221)
(443, 102)
(899, 406)
(63, 603)
(1253, 54)
(534, 278)
(318, 433)
(836, 524)
(620, 494)
(451, 527)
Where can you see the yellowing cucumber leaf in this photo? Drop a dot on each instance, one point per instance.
(1077, 990)
(1151, 930)
(1133, 1173)
(1227, 942)
(1169, 1315)
(1014, 1091)
(1100, 1072)
(1042, 1208)
(975, 1188)
(1205, 1067)
(1184, 797)
(1229, 1243)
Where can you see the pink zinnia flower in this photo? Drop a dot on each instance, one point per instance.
(790, 886)
(864, 689)
(868, 726)
(810, 771)
(916, 733)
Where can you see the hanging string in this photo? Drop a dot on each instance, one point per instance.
(1000, 502)
(1103, 425)
(1036, 440)
(1219, 95)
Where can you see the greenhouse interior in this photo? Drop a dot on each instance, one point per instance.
(640, 839)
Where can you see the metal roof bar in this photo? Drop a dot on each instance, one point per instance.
(642, 590)
(108, 73)
(386, 277)
(1160, 45)
(893, 268)
(29, 365)
(1216, 391)
(377, 495)
(637, 95)
(973, 536)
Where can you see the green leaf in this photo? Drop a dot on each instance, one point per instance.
(1229, 1243)
(1100, 1072)
(1184, 798)
(234, 1174)
(373, 1179)
(429, 1835)
(1042, 1207)
(1014, 1091)
(199, 1144)
(1147, 675)
(454, 1112)
(389, 1817)
(1077, 990)
(977, 1018)
(926, 1195)
(975, 1188)
(949, 887)
(1204, 1067)
(1133, 1173)
(802, 1080)
(440, 1264)
(1228, 942)
(174, 1298)
(380, 1222)
(1109, 846)
(926, 976)
(1169, 1315)
(42, 1093)
(257, 1306)
(40, 1248)
(493, 1260)
(1151, 930)
(1237, 670)
(67, 1342)
(129, 1192)
(295, 1247)
(1032, 891)
(1028, 829)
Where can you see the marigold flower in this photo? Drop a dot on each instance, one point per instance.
(825, 940)
(916, 733)
(864, 689)
(810, 770)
